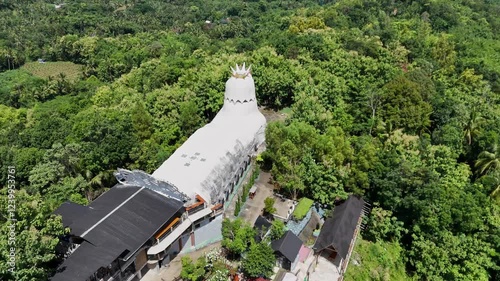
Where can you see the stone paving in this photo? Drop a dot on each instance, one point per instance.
(253, 207)
(325, 269)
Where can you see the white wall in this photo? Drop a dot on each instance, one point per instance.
(174, 247)
(208, 232)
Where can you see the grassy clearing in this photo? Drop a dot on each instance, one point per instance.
(379, 261)
(302, 208)
(45, 70)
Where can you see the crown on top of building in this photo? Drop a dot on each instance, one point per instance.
(241, 72)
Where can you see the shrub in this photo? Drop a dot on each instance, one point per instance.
(259, 261)
(277, 230)
(237, 207)
(269, 205)
(192, 271)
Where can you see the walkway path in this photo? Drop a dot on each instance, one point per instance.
(253, 207)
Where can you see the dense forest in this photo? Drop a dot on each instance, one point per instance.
(396, 101)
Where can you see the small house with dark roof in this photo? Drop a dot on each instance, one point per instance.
(287, 250)
(339, 232)
(262, 226)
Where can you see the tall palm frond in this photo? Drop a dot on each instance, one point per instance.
(472, 127)
(97, 183)
(488, 161)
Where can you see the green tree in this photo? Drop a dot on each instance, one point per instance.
(58, 162)
(269, 205)
(307, 162)
(25, 160)
(192, 271)
(472, 127)
(105, 135)
(259, 261)
(443, 256)
(236, 236)
(309, 109)
(43, 175)
(403, 106)
(277, 229)
(287, 146)
(37, 235)
(237, 207)
(488, 161)
(383, 226)
(189, 117)
(277, 77)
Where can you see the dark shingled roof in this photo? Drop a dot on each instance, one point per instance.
(86, 260)
(288, 245)
(71, 212)
(338, 231)
(100, 207)
(260, 224)
(121, 219)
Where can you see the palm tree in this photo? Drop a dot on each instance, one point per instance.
(488, 168)
(471, 129)
(496, 187)
(488, 161)
(97, 183)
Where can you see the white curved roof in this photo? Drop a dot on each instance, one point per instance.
(209, 158)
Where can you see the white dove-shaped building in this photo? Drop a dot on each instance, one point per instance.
(210, 163)
(212, 160)
(208, 166)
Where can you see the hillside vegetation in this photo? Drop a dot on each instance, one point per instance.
(381, 261)
(396, 101)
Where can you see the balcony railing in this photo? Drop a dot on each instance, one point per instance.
(217, 209)
(162, 235)
(196, 209)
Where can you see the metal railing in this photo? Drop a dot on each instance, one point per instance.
(196, 209)
(164, 235)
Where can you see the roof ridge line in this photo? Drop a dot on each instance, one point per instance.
(110, 213)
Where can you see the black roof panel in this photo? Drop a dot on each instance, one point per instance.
(288, 245)
(261, 222)
(70, 212)
(262, 225)
(123, 218)
(338, 231)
